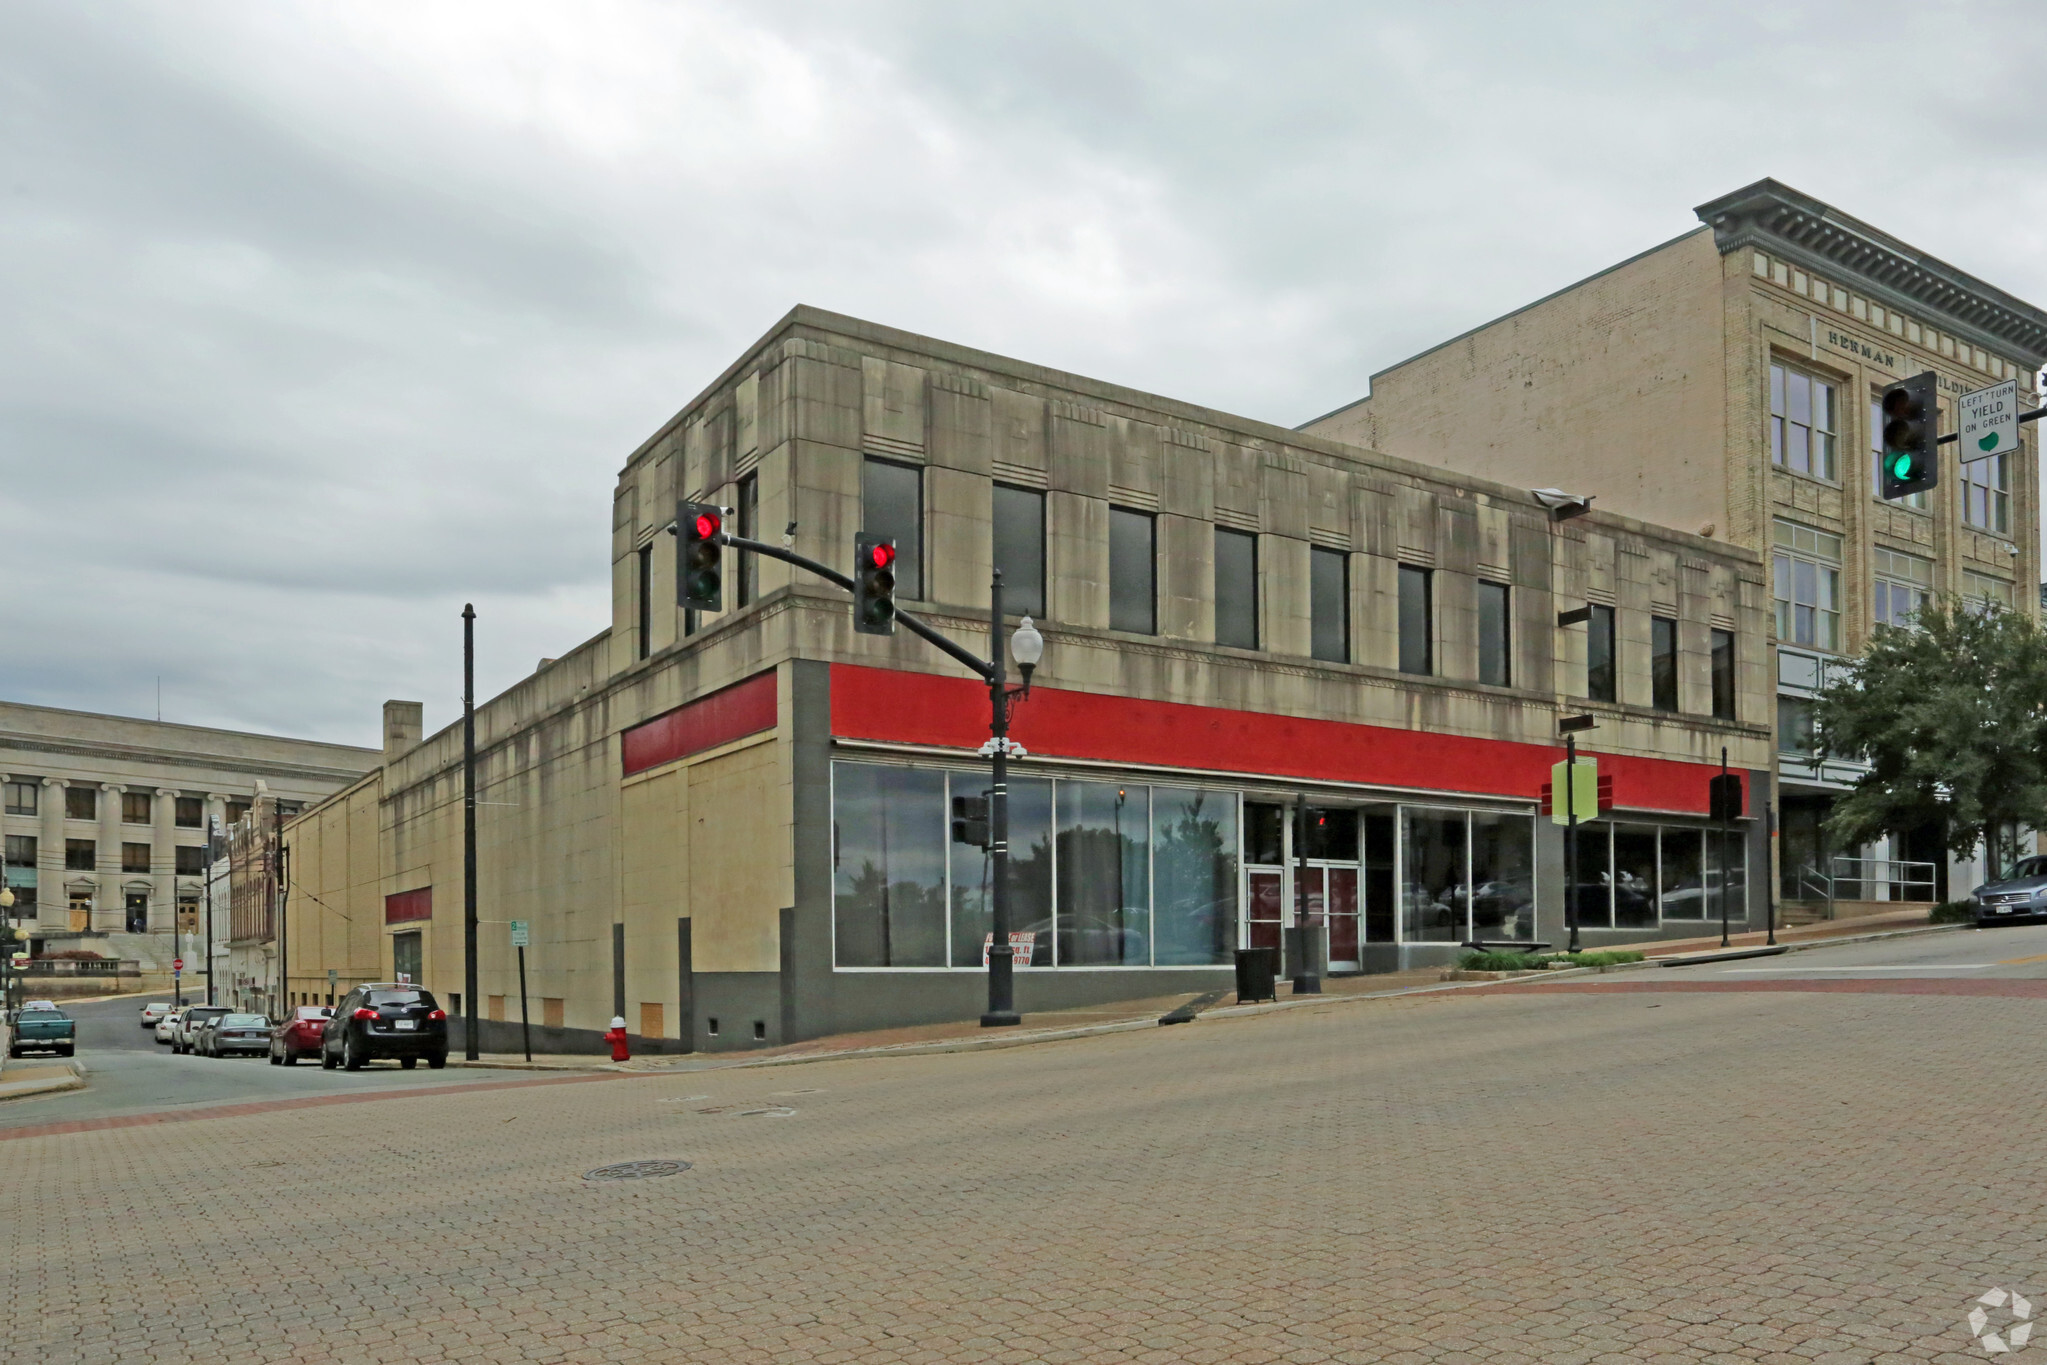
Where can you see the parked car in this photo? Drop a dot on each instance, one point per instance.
(44, 1029)
(299, 1036)
(2021, 893)
(230, 1034)
(154, 1011)
(168, 1025)
(385, 1020)
(185, 1037)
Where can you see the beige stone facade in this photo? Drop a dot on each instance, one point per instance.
(1659, 387)
(675, 806)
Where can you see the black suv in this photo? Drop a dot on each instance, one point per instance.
(382, 1020)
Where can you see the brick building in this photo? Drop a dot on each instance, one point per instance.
(1723, 383)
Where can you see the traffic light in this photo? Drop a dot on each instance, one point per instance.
(874, 585)
(1724, 797)
(1911, 418)
(702, 525)
(970, 821)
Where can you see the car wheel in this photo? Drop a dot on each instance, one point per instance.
(438, 1060)
(351, 1055)
(68, 1051)
(327, 1062)
(275, 1060)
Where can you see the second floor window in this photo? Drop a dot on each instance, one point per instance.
(1020, 549)
(1602, 678)
(1903, 583)
(1795, 732)
(1494, 636)
(190, 813)
(1806, 567)
(21, 850)
(1417, 626)
(1980, 590)
(749, 511)
(1329, 604)
(1802, 422)
(135, 808)
(1986, 494)
(1723, 674)
(1663, 663)
(81, 803)
(1133, 572)
(1236, 589)
(191, 860)
(21, 798)
(892, 506)
(79, 854)
(645, 561)
(135, 857)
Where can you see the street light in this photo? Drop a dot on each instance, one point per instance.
(1027, 646)
(1571, 726)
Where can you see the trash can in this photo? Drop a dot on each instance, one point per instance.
(1257, 974)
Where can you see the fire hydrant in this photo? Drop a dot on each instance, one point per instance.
(619, 1051)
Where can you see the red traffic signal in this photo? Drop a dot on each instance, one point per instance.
(874, 585)
(880, 555)
(707, 525)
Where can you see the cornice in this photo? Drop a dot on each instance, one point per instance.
(1784, 222)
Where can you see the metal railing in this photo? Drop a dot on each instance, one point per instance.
(1861, 879)
(73, 966)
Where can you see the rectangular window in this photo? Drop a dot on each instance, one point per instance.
(1634, 876)
(1663, 663)
(191, 860)
(1133, 570)
(1795, 727)
(1876, 451)
(1030, 872)
(81, 803)
(1194, 873)
(749, 511)
(236, 810)
(892, 506)
(1601, 677)
(1019, 516)
(408, 957)
(135, 857)
(1986, 494)
(1681, 880)
(1104, 868)
(80, 855)
(888, 865)
(1329, 604)
(1593, 893)
(1436, 882)
(1802, 422)
(135, 808)
(645, 561)
(1236, 589)
(190, 813)
(21, 798)
(1806, 569)
(1723, 675)
(1981, 590)
(1494, 638)
(1503, 875)
(1903, 585)
(1417, 627)
(21, 850)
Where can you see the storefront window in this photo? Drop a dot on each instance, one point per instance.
(1502, 876)
(1681, 883)
(1594, 889)
(1194, 860)
(1104, 875)
(1030, 874)
(1634, 877)
(888, 865)
(1432, 901)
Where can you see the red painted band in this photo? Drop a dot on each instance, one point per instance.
(744, 708)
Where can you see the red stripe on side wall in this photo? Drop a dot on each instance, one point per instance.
(925, 708)
(409, 905)
(742, 709)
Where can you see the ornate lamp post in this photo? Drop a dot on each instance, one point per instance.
(1028, 646)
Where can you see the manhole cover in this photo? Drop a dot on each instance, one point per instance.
(637, 1170)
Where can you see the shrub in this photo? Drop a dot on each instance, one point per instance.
(1499, 962)
(1953, 912)
(1608, 959)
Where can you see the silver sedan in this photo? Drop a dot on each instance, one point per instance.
(233, 1033)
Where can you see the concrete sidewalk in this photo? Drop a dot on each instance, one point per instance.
(19, 1082)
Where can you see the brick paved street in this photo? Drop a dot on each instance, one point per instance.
(1499, 1174)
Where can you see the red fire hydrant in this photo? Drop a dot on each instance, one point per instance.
(619, 1051)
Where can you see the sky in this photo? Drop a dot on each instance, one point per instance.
(324, 319)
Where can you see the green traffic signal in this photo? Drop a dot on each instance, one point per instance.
(1911, 434)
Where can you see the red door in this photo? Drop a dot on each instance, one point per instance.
(1342, 903)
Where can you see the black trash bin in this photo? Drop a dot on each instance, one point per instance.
(1257, 974)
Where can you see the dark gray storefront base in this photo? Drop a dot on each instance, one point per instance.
(500, 1036)
(881, 999)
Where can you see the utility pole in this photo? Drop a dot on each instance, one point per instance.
(1001, 1010)
(469, 831)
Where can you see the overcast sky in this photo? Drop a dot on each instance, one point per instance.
(321, 319)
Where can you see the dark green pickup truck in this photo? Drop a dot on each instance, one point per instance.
(40, 1030)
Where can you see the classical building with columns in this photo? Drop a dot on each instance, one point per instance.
(106, 819)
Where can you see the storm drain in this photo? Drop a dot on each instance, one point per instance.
(636, 1170)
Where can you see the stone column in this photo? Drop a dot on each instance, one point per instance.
(109, 913)
(214, 902)
(54, 905)
(163, 863)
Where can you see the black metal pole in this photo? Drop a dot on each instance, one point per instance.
(212, 832)
(1306, 980)
(1571, 838)
(1770, 874)
(525, 1026)
(1001, 968)
(1726, 863)
(469, 831)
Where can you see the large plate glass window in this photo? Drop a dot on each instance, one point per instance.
(1194, 870)
(1104, 863)
(1803, 418)
(1030, 873)
(1469, 875)
(888, 865)
(1806, 571)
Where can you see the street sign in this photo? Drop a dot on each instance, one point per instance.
(20, 959)
(1990, 421)
(1584, 788)
(520, 935)
(332, 975)
(177, 964)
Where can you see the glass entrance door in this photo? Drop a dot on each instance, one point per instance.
(1339, 907)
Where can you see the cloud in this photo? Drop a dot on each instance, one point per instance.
(330, 317)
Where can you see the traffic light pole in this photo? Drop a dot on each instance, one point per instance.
(1001, 965)
(1571, 838)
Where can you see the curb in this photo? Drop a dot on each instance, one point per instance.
(22, 1090)
(1875, 936)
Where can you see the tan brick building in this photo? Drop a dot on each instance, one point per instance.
(1723, 383)
(734, 830)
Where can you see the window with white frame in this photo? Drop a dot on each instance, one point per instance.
(1804, 419)
(1979, 590)
(1807, 565)
(1986, 494)
(1903, 583)
(1876, 463)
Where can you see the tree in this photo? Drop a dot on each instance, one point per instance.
(1951, 714)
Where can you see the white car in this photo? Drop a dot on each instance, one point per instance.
(154, 1011)
(39, 1004)
(168, 1025)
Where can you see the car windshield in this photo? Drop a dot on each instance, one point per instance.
(2027, 867)
(243, 1021)
(313, 1012)
(400, 998)
(203, 1012)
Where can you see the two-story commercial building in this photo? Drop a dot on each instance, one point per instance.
(734, 828)
(1725, 383)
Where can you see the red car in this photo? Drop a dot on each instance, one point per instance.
(298, 1036)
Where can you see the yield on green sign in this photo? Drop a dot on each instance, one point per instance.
(1581, 779)
(519, 934)
(1990, 421)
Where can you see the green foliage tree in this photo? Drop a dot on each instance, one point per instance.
(1951, 714)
